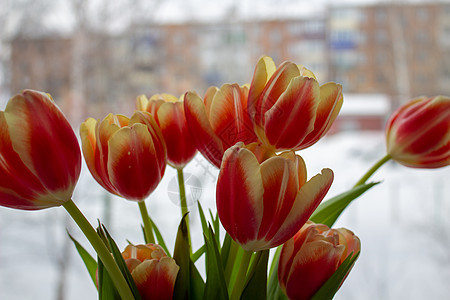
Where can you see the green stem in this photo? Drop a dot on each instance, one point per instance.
(183, 204)
(372, 170)
(148, 231)
(230, 261)
(102, 251)
(242, 274)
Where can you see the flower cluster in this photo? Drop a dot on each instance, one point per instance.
(264, 196)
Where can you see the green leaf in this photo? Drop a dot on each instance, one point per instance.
(189, 284)
(88, 260)
(216, 287)
(159, 237)
(331, 286)
(274, 290)
(256, 286)
(329, 211)
(202, 218)
(122, 265)
(106, 288)
(197, 254)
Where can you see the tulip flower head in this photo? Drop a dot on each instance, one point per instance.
(153, 272)
(418, 133)
(219, 121)
(125, 156)
(264, 199)
(288, 108)
(312, 256)
(168, 112)
(40, 159)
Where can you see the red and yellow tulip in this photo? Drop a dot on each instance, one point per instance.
(312, 256)
(219, 121)
(287, 106)
(153, 272)
(418, 133)
(168, 112)
(40, 159)
(264, 199)
(125, 156)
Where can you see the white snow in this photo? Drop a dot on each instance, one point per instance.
(403, 224)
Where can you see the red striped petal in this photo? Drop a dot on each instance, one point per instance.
(276, 86)
(292, 118)
(307, 200)
(281, 186)
(44, 141)
(239, 195)
(331, 101)
(201, 131)
(228, 116)
(263, 72)
(132, 165)
(180, 146)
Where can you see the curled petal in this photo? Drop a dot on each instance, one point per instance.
(240, 181)
(200, 128)
(292, 117)
(172, 121)
(34, 123)
(131, 156)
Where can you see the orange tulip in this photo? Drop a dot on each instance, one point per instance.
(168, 112)
(152, 270)
(219, 121)
(287, 106)
(418, 133)
(264, 199)
(40, 159)
(126, 156)
(312, 256)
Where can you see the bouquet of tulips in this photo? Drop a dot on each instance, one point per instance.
(265, 199)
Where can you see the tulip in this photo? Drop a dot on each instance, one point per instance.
(312, 256)
(288, 108)
(418, 133)
(153, 272)
(40, 159)
(264, 199)
(168, 112)
(219, 121)
(125, 156)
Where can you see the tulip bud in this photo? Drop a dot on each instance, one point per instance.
(125, 156)
(288, 108)
(418, 133)
(153, 272)
(168, 112)
(40, 159)
(312, 256)
(219, 121)
(263, 199)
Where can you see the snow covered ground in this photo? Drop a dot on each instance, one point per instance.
(403, 224)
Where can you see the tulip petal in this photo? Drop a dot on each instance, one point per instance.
(156, 279)
(200, 128)
(417, 133)
(307, 200)
(292, 117)
(263, 72)
(172, 121)
(44, 141)
(132, 162)
(229, 118)
(238, 195)
(281, 186)
(331, 101)
(314, 263)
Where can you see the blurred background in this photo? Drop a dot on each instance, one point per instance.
(96, 57)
